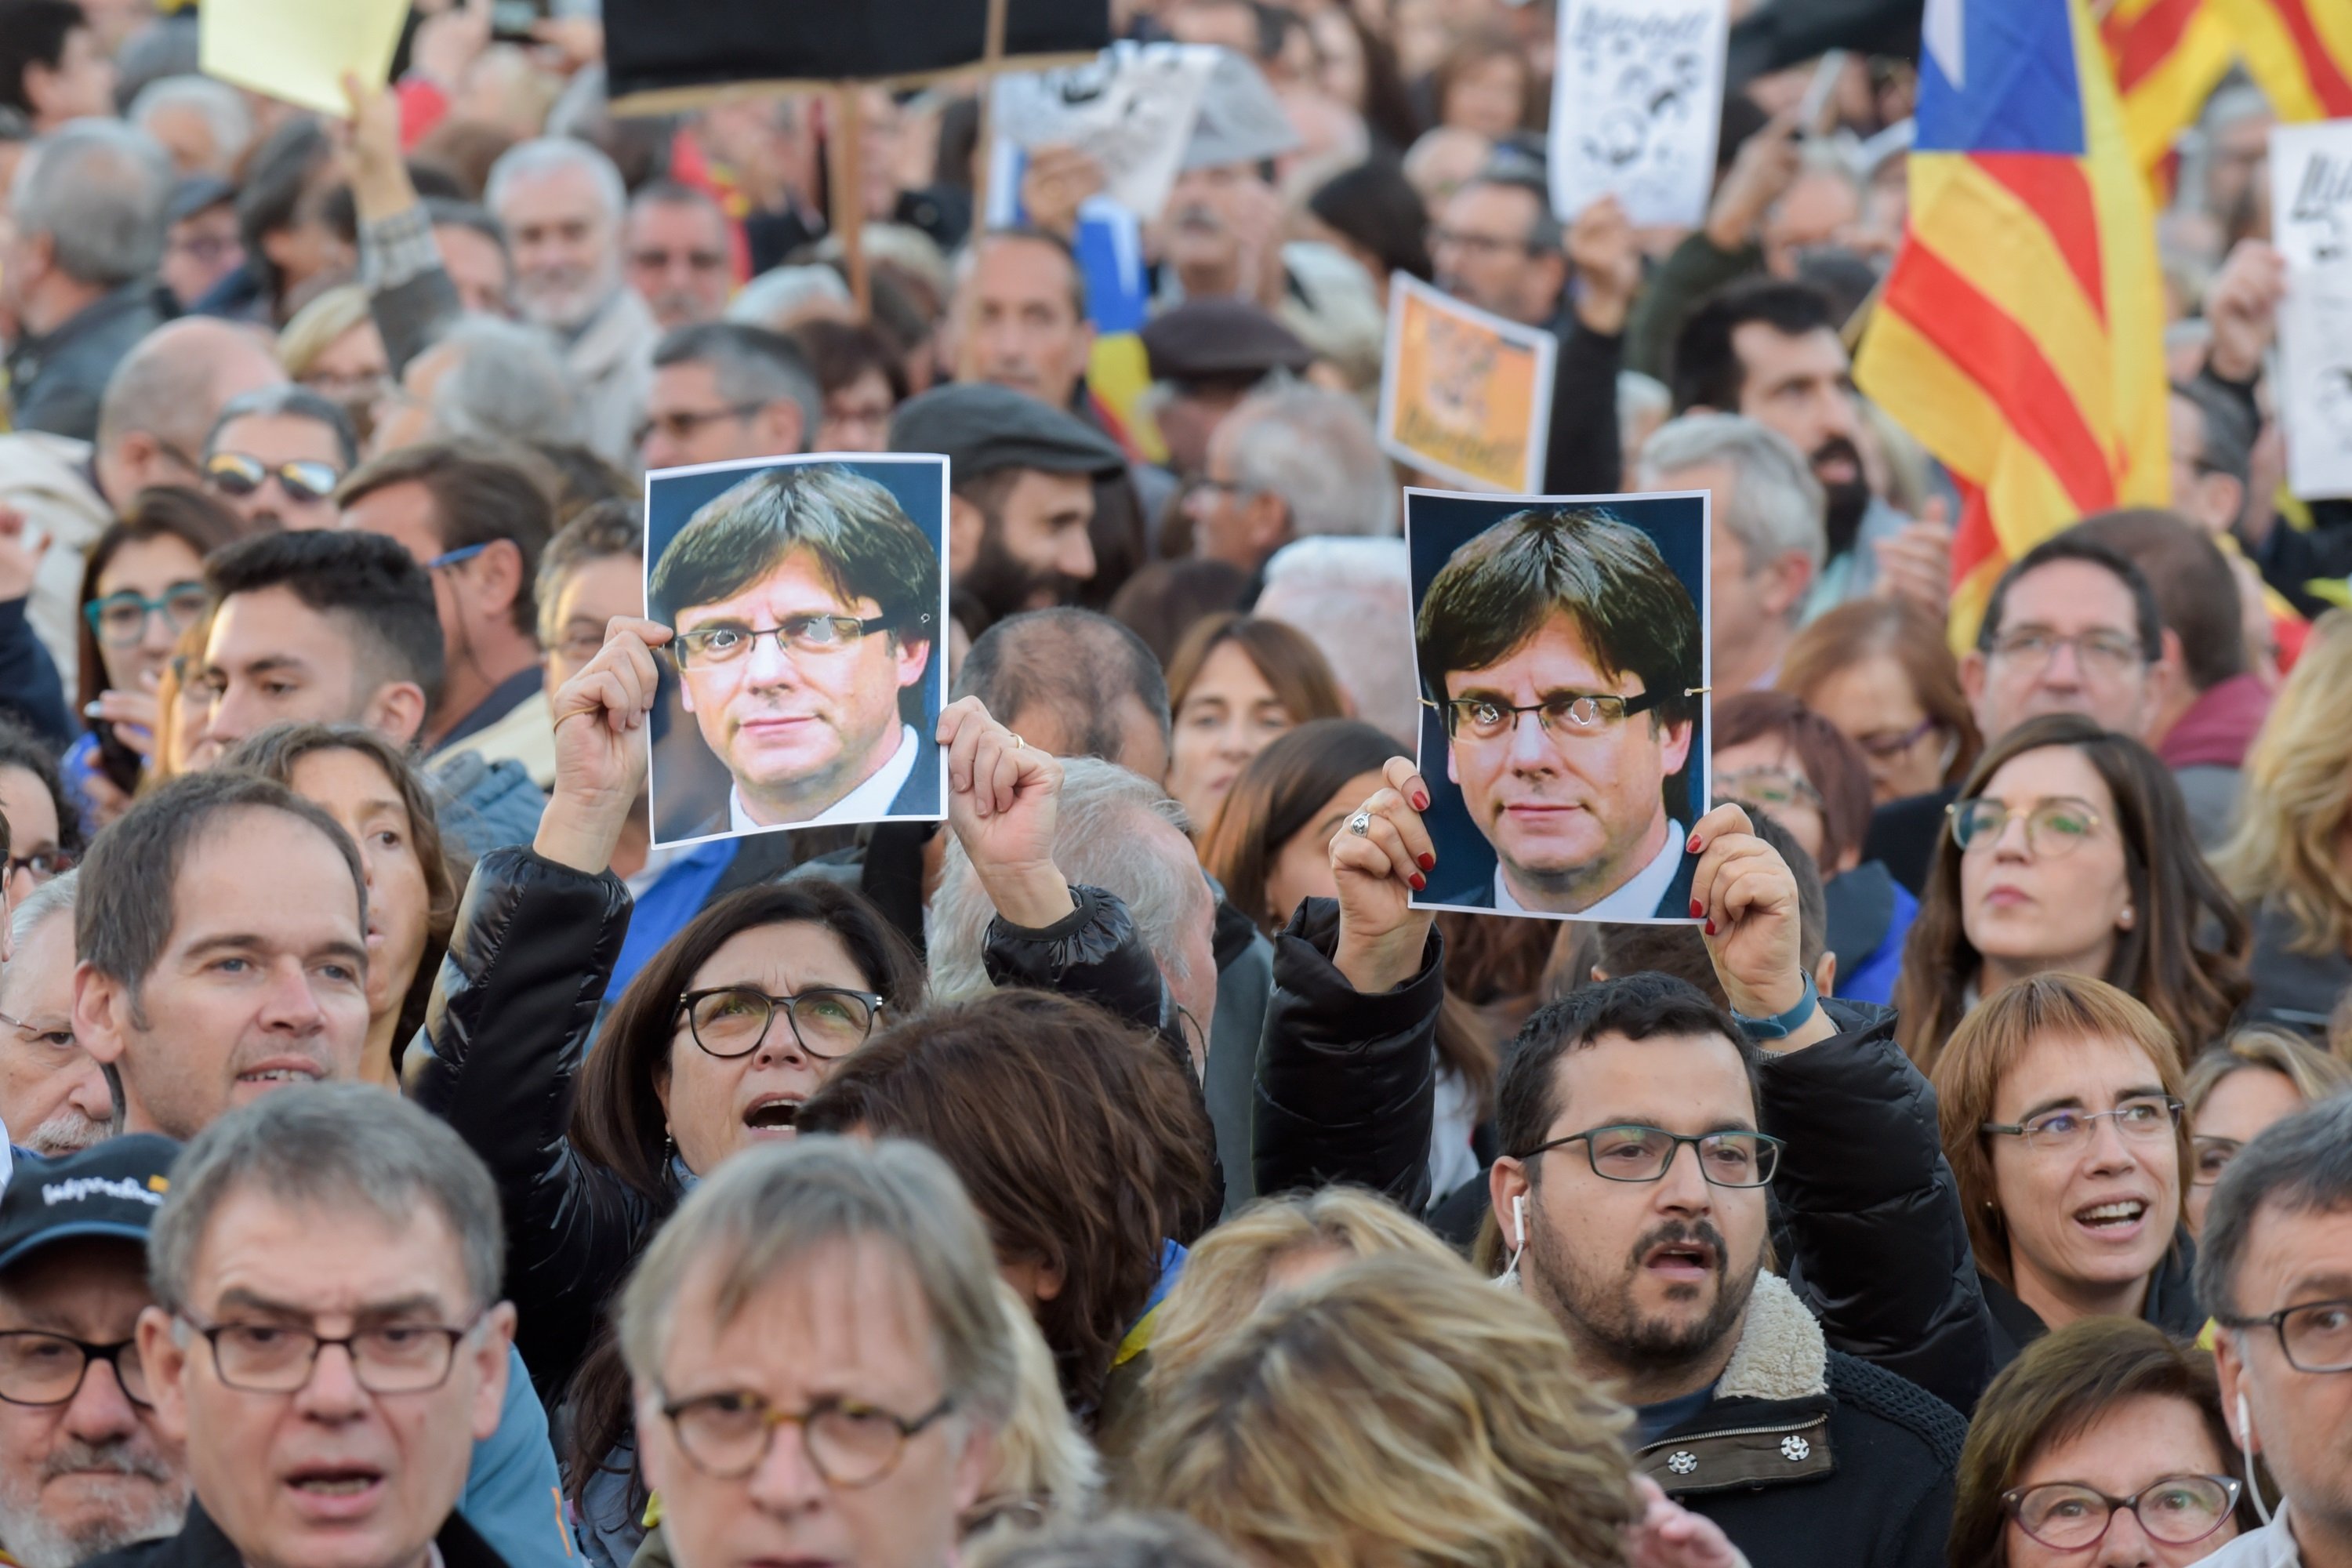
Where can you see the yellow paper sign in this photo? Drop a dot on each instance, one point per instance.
(1465, 395)
(298, 50)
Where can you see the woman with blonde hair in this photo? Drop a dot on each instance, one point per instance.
(2289, 857)
(1045, 1469)
(1401, 1411)
(2257, 1075)
(2059, 1103)
(333, 347)
(1274, 1245)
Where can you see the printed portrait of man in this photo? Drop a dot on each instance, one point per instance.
(1564, 657)
(806, 608)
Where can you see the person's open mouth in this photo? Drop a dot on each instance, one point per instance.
(335, 1492)
(2118, 1219)
(281, 1070)
(774, 1114)
(1681, 1261)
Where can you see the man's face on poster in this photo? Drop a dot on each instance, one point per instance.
(803, 718)
(1573, 812)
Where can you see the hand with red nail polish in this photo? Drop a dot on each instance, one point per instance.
(1377, 873)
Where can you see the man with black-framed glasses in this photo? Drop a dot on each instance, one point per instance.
(84, 1466)
(326, 1338)
(2275, 1267)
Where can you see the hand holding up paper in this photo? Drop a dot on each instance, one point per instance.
(299, 50)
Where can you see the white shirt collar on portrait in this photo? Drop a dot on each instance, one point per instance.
(1636, 901)
(869, 802)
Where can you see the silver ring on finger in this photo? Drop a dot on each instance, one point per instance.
(1360, 824)
(1018, 744)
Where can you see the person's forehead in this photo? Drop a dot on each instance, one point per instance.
(601, 588)
(1765, 348)
(2048, 771)
(798, 583)
(40, 979)
(2293, 1253)
(1505, 207)
(2069, 592)
(2093, 1068)
(26, 801)
(272, 623)
(271, 436)
(309, 899)
(1668, 1079)
(841, 1316)
(1555, 654)
(565, 193)
(684, 381)
(405, 512)
(1014, 266)
(671, 220)
(273, 1246)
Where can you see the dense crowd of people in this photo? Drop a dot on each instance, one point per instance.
(451, 1171)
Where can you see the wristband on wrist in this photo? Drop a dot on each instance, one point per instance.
(1780, 1026)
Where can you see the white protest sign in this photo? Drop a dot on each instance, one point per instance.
(1132, 109)
(1637, 97)
(2311, 204)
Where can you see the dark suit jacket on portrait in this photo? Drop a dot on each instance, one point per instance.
(1673, 904)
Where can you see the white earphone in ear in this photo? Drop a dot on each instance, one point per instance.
(1508, 1279)
(2246, 1447)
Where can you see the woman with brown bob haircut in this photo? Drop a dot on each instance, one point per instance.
(1880, 670)
(2059, 1103)
(1235, 684)
(1082, 1141)
(1401, 1411)
(2101, 1412)
(2069, 851)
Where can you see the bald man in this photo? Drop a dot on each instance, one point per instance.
(159, 406)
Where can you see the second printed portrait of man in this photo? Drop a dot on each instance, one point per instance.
(1561, 649)
(806, 602)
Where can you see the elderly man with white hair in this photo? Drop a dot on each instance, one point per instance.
(203, 123)
(1765, 535)
(1294, 462)
(562, 203)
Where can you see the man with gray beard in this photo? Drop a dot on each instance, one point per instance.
(84, 1468)
(53, 1095)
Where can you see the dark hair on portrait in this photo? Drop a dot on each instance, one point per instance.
(865, 545)
(1606, 575)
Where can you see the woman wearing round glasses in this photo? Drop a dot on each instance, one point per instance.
(2070, 851)
(2105, 1436)
(2060, 1102)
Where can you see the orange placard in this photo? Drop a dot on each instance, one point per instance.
(1463, 394)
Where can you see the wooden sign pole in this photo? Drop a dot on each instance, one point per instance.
(848, 173)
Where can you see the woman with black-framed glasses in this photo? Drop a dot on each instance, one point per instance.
(2103, 1444)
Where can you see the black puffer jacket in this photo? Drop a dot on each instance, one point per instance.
(1883, 1256)
(1346, 1084)
(512, 1015)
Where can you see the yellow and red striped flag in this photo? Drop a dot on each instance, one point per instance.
(2166, 55)
(2299, 52)
(2020, 334)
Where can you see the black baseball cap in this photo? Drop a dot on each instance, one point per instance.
(984, 427)
(110, 1189)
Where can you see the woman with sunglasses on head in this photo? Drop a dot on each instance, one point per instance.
(2069, 851)
(2060, 1101)
(143, 587)
(2258, 1076)
(1775, 755)
(2102, 1445)
(276, 455)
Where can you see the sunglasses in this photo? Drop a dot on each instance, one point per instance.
(303, 479)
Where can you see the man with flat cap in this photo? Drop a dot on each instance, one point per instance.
(1021, 477)
(1206, 355)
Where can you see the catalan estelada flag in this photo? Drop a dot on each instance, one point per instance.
(2166, 55)
(2299, 52)
(2019, 333)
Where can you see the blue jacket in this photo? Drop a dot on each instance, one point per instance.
(488, 805)
(513, 1496)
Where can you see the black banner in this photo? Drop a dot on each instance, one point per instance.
(664, 47)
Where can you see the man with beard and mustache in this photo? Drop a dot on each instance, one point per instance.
(1022, 498)
(1632, 1202)
(53, 1096)
(679, 252)
(84, 1469)
(561, 203)
(1769, 349)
